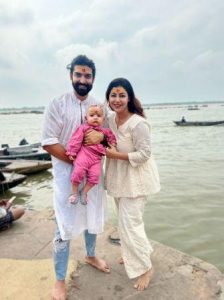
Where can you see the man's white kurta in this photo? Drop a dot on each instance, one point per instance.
(61, 119)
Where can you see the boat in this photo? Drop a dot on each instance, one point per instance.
(191, 107)
(198, 123)
(24, 143)
(10, 180)
(24, 166)
(29, 152)
(39, 155)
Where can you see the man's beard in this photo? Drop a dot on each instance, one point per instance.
(81, 88)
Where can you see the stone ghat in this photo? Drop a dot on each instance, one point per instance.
(26, 270)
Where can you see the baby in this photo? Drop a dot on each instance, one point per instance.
(87, 158)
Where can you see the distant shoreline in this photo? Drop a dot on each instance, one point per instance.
(40, 110)
(16, 112)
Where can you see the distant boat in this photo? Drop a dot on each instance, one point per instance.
(10, 180)
(198, 123)
(195, 107)
(29, 151)
(24, 166)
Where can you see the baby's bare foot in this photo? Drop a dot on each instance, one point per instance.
(73, 199)
(143, 281)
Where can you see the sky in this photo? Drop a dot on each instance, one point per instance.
(170, 50)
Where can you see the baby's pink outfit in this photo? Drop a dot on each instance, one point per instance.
(88, 157)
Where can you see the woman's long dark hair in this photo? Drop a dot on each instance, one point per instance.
(134, 105)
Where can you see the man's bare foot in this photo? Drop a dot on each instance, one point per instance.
(98, 263)
(59, 290)
(121, 261)
(143, 281)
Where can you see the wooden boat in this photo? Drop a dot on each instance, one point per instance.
(198, 123)
(39, 155)
(30, 152)
(24, 166)
(22, 147)
(10, 180)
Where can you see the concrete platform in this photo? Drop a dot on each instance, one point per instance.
(26, 269)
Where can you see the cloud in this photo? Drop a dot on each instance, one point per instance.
(102, 52)
(15, 16)
(154, 44)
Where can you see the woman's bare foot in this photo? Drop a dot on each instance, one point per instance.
(143, 281)
(121, 261)
(98, 263)
(59, 291)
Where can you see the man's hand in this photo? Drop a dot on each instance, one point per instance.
(93, 137)
(4, 203)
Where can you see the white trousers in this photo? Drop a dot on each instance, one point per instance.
(135, 246)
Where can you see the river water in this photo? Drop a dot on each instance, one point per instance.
(188, 213)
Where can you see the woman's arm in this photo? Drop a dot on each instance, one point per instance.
(141, 137)
(141, 141)
(111, 152)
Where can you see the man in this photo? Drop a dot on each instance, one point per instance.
(8, 214)
(62, 117)
(183, 120)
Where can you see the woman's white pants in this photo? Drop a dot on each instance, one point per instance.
(135, 246)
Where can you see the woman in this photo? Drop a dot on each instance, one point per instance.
(131, 175)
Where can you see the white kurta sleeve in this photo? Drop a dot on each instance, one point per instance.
(52, 125)
(107, 114)
(142, 144)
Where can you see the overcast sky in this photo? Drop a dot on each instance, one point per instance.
(170, 50)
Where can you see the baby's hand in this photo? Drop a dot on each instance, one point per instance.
(71, 157)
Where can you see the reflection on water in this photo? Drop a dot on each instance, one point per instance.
(188, 212)
(35, 192)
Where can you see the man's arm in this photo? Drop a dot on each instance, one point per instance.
(52, 127)
(58, 151)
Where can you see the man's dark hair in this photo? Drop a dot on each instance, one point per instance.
(82, 60)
